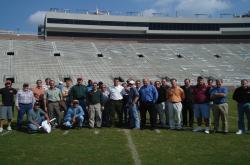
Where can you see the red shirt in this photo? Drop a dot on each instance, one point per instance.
(200, 94)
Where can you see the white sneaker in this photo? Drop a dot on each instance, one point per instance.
(207, 130)
(1, 129)
(9, 128)
(198, 129)
(239, 132)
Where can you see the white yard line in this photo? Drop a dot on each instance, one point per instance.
(5, 133)
(65, 132)
(132, 148)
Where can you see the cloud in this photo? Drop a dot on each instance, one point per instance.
(149, 12)
(188, 6)
(37, 17)
(207, 6)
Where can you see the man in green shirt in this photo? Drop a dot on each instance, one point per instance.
(94, 102)
(35, 117)
(79, 92)
(52, 99)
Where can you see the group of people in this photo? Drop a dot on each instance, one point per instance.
(124, 104)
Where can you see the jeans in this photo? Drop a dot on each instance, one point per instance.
(135, 116)
(32, 127)
(69, 124)
(243, 108)
(23, 108)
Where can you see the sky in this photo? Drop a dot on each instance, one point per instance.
(24, 15)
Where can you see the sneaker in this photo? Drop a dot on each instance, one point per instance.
(1, 129)
(198, 129)
(207, 130)
(9, 128)
(239, 132)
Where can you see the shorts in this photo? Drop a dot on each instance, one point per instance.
(202, 110)
(6, 112)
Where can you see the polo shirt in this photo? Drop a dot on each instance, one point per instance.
(35, 115)
(8, 96)
(220, 100)
(200, 94)
(53, 95)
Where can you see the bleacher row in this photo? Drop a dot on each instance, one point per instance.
(34, 60)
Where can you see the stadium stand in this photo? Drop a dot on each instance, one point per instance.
(103, 60)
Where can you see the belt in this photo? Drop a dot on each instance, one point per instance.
(25, 103)
(219, 103)
(116, 100)
(53, 101)
(175, 102)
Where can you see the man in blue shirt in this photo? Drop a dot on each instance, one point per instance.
(218, 95)
(74, 115)
(148, 97)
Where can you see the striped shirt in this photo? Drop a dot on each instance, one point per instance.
(24, 97)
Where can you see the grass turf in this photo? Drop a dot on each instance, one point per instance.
(110, 146)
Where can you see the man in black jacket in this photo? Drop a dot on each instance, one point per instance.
(242, 96)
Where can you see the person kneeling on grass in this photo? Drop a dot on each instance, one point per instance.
(75, 115)
(35, 118)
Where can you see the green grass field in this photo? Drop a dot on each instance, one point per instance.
(111, 146)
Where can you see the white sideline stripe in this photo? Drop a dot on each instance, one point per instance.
(5, 133)
(96, 132)
(65, 132)
(133, 150)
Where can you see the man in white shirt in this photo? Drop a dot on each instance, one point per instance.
(24, 103)
(116, 97)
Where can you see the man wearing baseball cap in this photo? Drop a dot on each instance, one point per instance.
(8, 102)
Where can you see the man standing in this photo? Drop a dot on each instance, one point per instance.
(38, 92)
(175, 95)
(148, 97)
(24, 103)
(106, 105)
(116, 96)
(201, 104)
(242, 96)
(165, 85)
(218, 95)
(187, 104)
(133, 106)
(79, 92)
(52, 98)
(95, 106)
(7, 103)
(160, 103)
(65, 94)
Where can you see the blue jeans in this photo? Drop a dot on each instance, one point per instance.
(23, 108)
(243, 108)
(68, 121)
(135, 119)
(32, 127)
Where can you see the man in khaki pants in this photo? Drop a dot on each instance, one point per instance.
(95, 100)
(218, 95)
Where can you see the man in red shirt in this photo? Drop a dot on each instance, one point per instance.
(201, 104)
